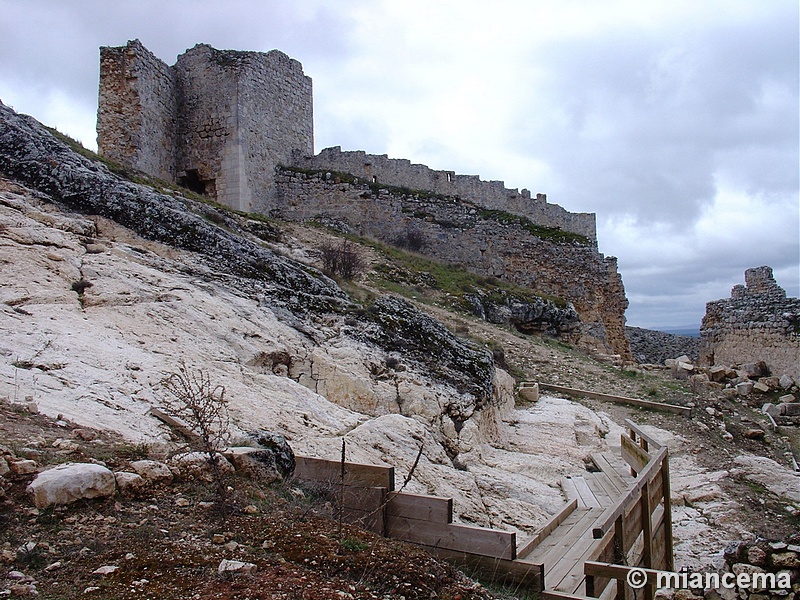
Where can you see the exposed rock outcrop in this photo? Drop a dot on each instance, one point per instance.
(655, 347)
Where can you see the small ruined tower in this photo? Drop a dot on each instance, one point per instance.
(757, 323)
(217, 122)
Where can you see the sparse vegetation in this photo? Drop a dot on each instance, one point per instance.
(342, 259)
(192, 397)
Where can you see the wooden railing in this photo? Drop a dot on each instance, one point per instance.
(366, 496)
(636, 531)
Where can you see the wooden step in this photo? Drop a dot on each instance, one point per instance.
(613, 468)
(575, 487)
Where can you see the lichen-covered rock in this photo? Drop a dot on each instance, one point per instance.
(32, 155)
(527, 315)
(403, 328)
(198, 465)
(70, 482)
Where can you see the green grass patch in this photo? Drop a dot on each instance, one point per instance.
(552, 234)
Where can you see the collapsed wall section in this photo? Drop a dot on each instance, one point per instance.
(381, 169)
(486, 242)
(757, 323)
(137, 110)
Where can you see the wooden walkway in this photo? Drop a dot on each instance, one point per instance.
(565, 550)
(617, 517)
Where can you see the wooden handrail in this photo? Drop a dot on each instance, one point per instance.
(607, 519)
(673, 408)
(638, 430)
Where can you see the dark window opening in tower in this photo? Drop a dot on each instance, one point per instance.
(192, 181)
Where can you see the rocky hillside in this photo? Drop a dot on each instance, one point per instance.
(108, 285)
(654, 347)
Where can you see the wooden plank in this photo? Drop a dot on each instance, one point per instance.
(567, 535)
(548, 528)
(358, 475)
(179, 425)
(587, 495)
(633, 454)
(571, 492)
(603, 463)
(632, 525)
(603, 489)
(679, 410)
(452, 536)
(359, 498)
(506, 572)
(424, 508)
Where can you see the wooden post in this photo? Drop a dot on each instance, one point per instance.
(668, 552)
(647, 528)
(590, 586)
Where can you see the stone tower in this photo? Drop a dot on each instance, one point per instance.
(218, 121)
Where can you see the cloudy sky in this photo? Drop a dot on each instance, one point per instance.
(676, 121)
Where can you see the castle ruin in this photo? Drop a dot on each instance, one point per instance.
(217, 122)
(238, 127)
(757, 323)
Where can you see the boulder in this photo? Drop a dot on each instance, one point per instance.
(786, 399)
(152, 470)
(717, 373)
(744, 388)
(21, 466)
(529, 392)
(791, 409)
(760, 387)
(70, 482)
(129, 484)
(773, 383)
(4, 468)
(196, 464)
(236, 567)
(258, 464)
(754, 434)
(282, 460)
(755, 370)
(785, 382)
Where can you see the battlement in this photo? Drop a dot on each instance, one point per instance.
(488, 194)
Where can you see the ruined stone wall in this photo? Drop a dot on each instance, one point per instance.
(219, 121)
(137, 110)
(757, 323)
(488, 194)
(458, 231)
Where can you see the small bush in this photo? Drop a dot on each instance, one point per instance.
(342, 260)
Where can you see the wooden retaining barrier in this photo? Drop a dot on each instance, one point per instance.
(585, 548)
(672, 408)
(636, 532)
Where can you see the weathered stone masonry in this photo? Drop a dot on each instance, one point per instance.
(757, 323)
(238, 127)
(218, 121)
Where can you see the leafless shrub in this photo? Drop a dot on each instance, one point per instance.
(203, 406)
(341, 260)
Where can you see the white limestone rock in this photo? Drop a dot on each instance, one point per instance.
(152, 471)
(70, 482)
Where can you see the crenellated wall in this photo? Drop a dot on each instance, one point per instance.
(489, 194)
(238, 127)
(757, 323)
